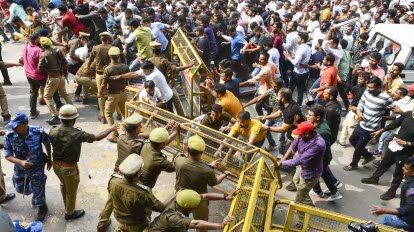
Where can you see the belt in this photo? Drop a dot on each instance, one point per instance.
(64, 164)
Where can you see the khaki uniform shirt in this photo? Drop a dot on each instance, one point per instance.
(35, 28)
(100, 55)
(115, 86)
(194, 175)
(154, 163)
(67, 143)
(126, 146)
(52, 61)
(84, 71)
(171, 220)
(130, 201)
(73, 45)
(162, 64)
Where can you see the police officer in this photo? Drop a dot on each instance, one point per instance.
(67, 141)
(117, 96)
(23, 147)
(100, 55)
(175, 218)
(3, 100)
(130, 198)
(128, 143)
(193, 174)
(53, 63)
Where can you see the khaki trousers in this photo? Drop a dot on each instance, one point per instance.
(89, 86)
(304, 187)
(105, 216)
(3, 102)
(103, 95)
(201, 213)
(348, 126)
(115, 102)
(52, 85)
(130, 228)
(2, 185)
(69, 181)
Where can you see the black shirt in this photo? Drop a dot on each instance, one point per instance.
(333, 116)
(406, 209)
(292, 115)
(406, 124)
(357, 92)
(216, 125)
(233, 86)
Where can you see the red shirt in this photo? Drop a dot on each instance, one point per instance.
(329, 76)
(70, 21)
(278, 43)
(4, 8)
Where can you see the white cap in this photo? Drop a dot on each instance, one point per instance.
(131, 164)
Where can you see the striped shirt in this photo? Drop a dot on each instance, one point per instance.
(373, 109)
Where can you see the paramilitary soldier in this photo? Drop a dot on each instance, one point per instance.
(128, 143)
(67, 142)
(193, 174)
(117, 96)
(53, 63)
(175, 218)
(23, 147)
(130, 198)
(100, 55)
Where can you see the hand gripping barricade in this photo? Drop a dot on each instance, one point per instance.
(255, 207)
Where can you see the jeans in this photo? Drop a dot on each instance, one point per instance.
(298, 80)
(329, 179)
(396, 222)
(359, 139)
(34, 93)
(382, 138)
(315, 85)
(272, 142)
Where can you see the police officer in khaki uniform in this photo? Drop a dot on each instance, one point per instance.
(175, 218)
(86, 77)
(100, 55)
(130, 142)
(3, 100)
(53, 63)
(193, 174)
(130, 198)
(117, 96)
(67, 142)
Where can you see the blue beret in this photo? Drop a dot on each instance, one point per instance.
(18, 119)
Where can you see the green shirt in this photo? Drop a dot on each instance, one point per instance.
(144, 37)
(171, 220)
(325, 132)
(344, 65)
(154, 163)
(224, 119)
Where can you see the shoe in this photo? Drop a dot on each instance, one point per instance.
(320, 195)
(41, 214)
(102, 119)
(112, 139)
(41, 101)
(349, 168)
(376, 163)
(103, 227)
(76, 214)
(53, 121)
(327, 193)
(269, 148)
(335, 197)
(9, 197)
(77, 99)
(6, 118)
(388, 195)
(369, 180)
(7, 83)
(84, 101)
(35, 115)
(367, 160)
(338, 184)
(291, 187)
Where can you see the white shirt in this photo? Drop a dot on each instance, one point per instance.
(303, 54)
(154, 98)
(160, 82)
(124, 26)
(158, 34)
(338, 53)
(291, 44)
(274, 57)
(312, 25)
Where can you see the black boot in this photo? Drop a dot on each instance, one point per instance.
(388, 195)
(53, 121)
(369, 180)
(291, 187)
(76, 214)
(41, 214)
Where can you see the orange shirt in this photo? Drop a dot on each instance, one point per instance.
(329, 76)
(230, 104)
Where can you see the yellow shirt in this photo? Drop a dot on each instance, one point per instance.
(230, 104)
(255, 128)
(394, 85)
(326, 14)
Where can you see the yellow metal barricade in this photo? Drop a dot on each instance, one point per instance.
(191, 78)
(156, 117)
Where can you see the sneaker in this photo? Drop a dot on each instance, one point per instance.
(41, 214)
(53, 121)
(269, 148)
(369, 180)
(335, 197)
(349, 168)
(291, 187)
(388, 195)
(320, 195)
(327, 193)
(34, 116)
(77, 214)
(376, 163)
(367, 160)
(338, 184)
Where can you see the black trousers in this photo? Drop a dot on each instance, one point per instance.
(4, 71)
(34, 93)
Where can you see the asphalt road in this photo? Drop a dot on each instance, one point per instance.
(97, 161)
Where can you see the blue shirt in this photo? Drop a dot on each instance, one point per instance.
(57, 3)
(110, 23)
(30, 149)
(237, 43)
